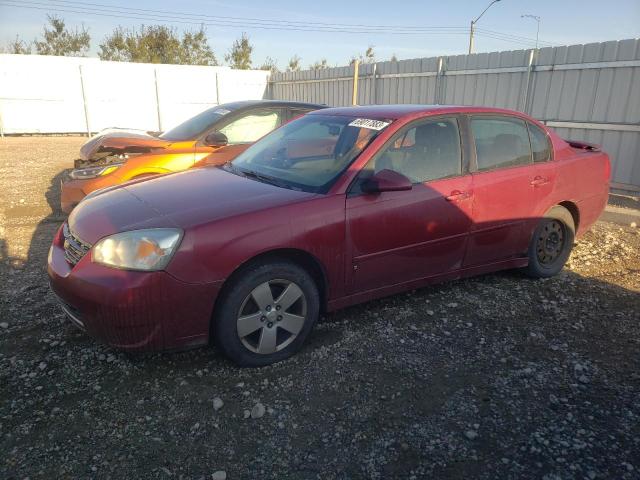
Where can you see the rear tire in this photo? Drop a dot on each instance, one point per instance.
(266, 314)
(551, 243)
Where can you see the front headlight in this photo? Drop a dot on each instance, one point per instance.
(93, 172)
(138, 249)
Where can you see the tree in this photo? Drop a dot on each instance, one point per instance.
(368, 57)
(394, 58)
(18, 46)
(58, 40)
(294, 64)
(196, 50)
(157, 44)
(240, 54)
(270, 64)
(319, 65)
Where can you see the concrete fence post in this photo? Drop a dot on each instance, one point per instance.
(1, 122)
(84, 102)
(217, 89)
(155, 81)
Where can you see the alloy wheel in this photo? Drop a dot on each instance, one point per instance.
(271, 316)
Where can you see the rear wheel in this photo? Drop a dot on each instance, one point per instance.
(266, 314)
(551, 243)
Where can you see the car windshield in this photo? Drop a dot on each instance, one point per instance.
(308, 153)
(193, 127)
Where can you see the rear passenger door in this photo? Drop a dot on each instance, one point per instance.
(545, 170)
(503, 198)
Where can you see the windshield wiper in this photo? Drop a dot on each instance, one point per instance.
(262, 178)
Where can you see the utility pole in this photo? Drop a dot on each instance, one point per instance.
(473, 26)
(537, 19)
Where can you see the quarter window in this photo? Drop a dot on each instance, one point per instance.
(500, 142)
(427, 151)
(539, 144)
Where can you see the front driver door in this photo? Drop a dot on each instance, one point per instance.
(397, 237)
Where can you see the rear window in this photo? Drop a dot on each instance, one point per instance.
(500, 142)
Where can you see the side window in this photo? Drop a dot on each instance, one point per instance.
(296, 112)
(539, 144)
(426, 151)
(500, 142)
(252, 126)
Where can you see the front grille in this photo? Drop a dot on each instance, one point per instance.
(74, 248)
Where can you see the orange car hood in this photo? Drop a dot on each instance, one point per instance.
(120, 141)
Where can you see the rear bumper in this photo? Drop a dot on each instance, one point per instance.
(135, 311)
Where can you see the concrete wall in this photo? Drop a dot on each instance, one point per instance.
(46, 94)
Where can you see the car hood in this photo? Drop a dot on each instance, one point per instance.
(186, 199)
(119, 141)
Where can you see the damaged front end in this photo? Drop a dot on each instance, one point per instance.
(114, 146)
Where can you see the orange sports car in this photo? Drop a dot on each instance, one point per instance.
(214, 136)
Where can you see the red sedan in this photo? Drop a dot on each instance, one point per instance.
(338, 207)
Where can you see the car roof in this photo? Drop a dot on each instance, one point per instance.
(245, 104)
(394, 112)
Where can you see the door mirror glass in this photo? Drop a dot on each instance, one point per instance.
(386, 181)
(216, 139)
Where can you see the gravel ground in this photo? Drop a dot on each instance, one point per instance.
(499, 376)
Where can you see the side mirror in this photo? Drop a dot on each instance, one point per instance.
(216, 139)
(386, 181)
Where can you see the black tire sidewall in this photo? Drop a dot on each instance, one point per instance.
(535, 268)
(225, 317)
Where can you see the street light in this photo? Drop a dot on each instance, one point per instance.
(473, 23)
(537, 19)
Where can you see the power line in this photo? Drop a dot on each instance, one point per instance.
(262, 21)
(189, 19)
(515, 37)
(244, 19)
(69, 6)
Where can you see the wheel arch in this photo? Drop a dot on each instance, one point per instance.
(574, 211)
(301, 258)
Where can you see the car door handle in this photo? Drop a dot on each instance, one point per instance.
(457, 195)
(537, 181)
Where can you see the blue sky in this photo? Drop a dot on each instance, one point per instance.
(563, 22)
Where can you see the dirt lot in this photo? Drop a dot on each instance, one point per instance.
(495, 377)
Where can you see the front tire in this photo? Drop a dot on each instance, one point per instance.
(551, 243)
(266, 314)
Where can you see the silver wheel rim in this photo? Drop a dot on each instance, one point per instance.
(271, 316)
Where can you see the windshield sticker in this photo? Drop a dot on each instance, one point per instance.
(222, 111)
(368, 123)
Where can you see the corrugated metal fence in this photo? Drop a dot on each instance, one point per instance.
(586, 92)
(47, 94)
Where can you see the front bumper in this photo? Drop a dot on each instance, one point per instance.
(136, 311)
(72, 191)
